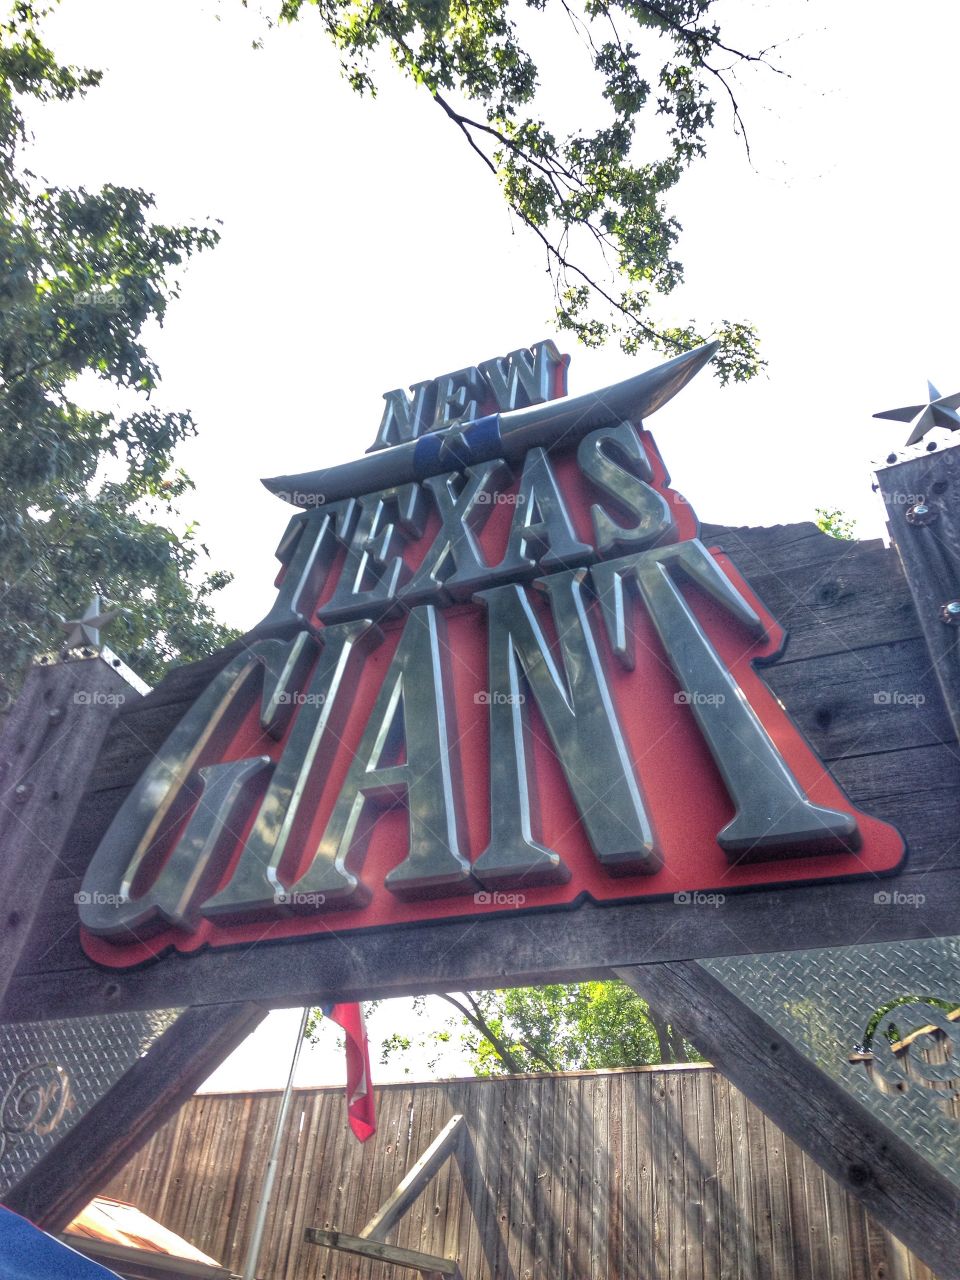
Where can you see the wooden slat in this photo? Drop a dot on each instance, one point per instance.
(723, 1141)
(891, 1179)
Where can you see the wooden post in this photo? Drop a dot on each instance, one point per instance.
(127, 1116)
(47, 752)
(902, 1190)
(922, 497)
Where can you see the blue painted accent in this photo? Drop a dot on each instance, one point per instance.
(426, 454)
(27, 1253)
(484, 438)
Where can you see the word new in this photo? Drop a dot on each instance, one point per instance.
(513, 381)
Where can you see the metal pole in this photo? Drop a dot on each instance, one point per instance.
(256, 1240)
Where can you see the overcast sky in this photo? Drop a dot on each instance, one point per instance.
(364, 247)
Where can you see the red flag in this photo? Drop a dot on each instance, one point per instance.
(360, 1111)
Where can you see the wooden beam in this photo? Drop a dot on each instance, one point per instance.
(67, 1178)
(516, 949)
(894, 1183)
(376, 1249)
(922, 497)
(854, 631)
(48, 750)
(415, 1180)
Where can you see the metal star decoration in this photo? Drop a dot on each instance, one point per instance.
(940, 411)
(84, 633)
(455, 449)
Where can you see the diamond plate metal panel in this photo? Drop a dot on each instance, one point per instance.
(52, 1073)
(877, 1019)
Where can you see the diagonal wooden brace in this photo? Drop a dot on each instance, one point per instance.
(415, 1180)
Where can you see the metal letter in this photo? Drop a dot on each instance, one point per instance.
(773, 816)
(454, 566)
(627, 486)
(541, 532)
(458, 397)
(255, 888)
(403, 418)
(170, 786)
(197, 862)
(413, 715)
(524, 377)
(373, 569)
(583, 728)
(307, 551)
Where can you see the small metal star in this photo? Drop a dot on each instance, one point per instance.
(939, 412)
(84, 633)
(455, 448)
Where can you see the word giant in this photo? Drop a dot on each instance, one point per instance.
(502, 672)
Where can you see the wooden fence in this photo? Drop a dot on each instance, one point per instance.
(643, 1174)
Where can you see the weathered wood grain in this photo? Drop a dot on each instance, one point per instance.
(415, 1180)
(142, 1100)
(891, 1179)
(415, 1260)
(715, 1224)
(47, 752)
(930, 551)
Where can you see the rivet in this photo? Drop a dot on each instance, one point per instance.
(22, 792)
(950, 613)
(55, 715)
(922, 513)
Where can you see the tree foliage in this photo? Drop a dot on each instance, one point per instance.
(595, 197)
(577, 1027)
(832, 520)
(89, 496)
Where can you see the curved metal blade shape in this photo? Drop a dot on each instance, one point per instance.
(504, 435)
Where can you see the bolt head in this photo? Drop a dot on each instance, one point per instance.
(950, 613)
(922, 513)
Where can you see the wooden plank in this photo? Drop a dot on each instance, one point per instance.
(525, 1187)
(47, 752)
(675, 1197)
(781, 1226)
(823, 612)
(399, 1201)
(642, 1256)
(696, 1172)
(726, 1213)
(143, 1099)
(661, 1180)
(930, 552)
(776, 548)
(512, 950)
(615, 1158)
(867, 1159)
(412, 1258)
(860, 701)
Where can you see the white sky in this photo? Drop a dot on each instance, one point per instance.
(364, 247)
